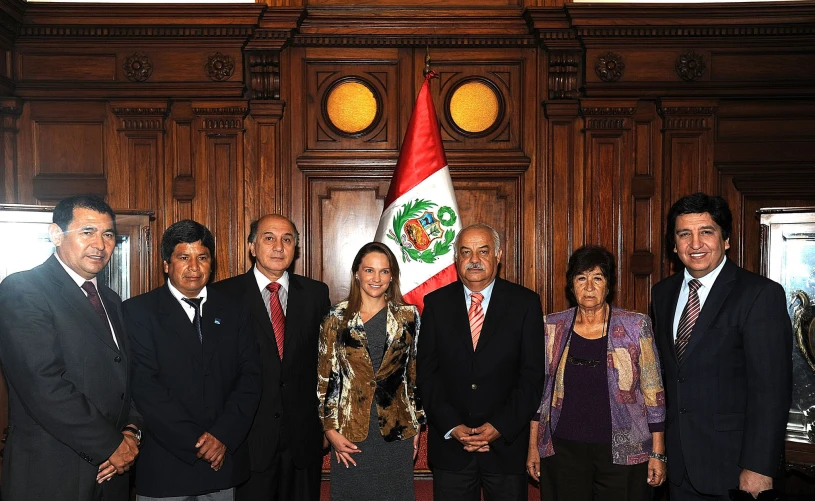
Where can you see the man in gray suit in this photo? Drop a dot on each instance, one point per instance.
(65, 355)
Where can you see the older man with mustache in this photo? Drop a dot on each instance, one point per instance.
(480, 375)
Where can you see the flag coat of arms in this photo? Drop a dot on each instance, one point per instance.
(420, 221)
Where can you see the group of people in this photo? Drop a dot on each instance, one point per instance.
(232, 390)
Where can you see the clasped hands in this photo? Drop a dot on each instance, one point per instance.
(476, 439)
(210, 449)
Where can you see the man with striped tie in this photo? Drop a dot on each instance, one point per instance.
(285, 312)
(480, 369)
(725, 341)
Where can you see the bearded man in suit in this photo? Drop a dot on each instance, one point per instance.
(285, 442)
(725, 340)
(480, 375)
(66, 358)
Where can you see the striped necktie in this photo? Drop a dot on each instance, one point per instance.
(277, 316)
(476, 315)
(688, 319)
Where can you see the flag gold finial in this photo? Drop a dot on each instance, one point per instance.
(427, 69)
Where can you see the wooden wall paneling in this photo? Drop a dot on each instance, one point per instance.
(374, 154)
(646, 217)
(562, 196)
(495, 201)
(10, 110)
(62, 150)
(140, 181)
(265, 178)
(344, 212)
(219, 181)
(608, 175)
(182, 157)
(687, 150)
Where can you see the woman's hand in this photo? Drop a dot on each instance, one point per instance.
(657, 472)
(343, 448)
(533, 458)
(416, 446)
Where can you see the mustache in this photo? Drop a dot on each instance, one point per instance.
(474, 266)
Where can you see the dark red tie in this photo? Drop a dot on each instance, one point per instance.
(688, 319)
(277, 316)
(96, 302)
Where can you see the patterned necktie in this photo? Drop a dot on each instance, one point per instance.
(277, 316)
(196, 303)
(476, 315)
(96, 302)
(688, 319)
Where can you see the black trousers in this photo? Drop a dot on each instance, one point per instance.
(584, 472)
(684, 491)
(466, 484)
(282, 481)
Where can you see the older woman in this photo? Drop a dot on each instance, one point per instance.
(366, 386)
(599, 430)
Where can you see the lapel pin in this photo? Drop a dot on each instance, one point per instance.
(217, 321)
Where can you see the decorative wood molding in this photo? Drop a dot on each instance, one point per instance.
(609, 67)
(564, 74)
(693, 32)
(763, 180)
(149, 117)
(222, 116)
(690, 66)
(690, 117)
(413, 41)
(607, 117)
(264, 74)
(137, 67)
(219, 67)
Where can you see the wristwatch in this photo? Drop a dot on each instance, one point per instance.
(135, 431)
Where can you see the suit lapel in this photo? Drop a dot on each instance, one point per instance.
(175, 318)
(715, 299)
(76, 299)
(212, 325)
(296, 302)
(495, 310)
(668, 310)
(115, 319)
(257, 310)
(458, 313)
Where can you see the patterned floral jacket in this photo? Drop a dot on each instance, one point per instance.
(346, 383)
(634, 383)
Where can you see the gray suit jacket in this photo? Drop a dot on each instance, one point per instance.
(68, 391)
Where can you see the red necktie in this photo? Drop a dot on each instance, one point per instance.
(688, 319)
(96, 302)
(476, 315)
(277, 316)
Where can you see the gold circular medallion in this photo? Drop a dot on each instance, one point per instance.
(351, 107)
(474, 107)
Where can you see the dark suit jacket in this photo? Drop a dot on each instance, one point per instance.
(183, 389)
(501, 382)
(68, 392)
(727, 403)
(287, 414)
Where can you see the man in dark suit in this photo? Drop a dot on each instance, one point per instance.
(726, 344)
(286, 310)
(196, 376)
(480, 375)
(65, 355)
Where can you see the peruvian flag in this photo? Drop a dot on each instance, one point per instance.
(421, 219)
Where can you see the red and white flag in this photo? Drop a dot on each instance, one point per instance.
(421, 220)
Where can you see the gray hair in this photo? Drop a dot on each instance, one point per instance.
(496, 239)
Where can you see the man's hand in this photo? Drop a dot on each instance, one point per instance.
(211, 450)
(475, 439)
(754, 483)
(121, 460)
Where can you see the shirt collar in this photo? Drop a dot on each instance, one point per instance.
(178, 295)
(707, 280)
(74, 275)
(263, 280)
(486, 292)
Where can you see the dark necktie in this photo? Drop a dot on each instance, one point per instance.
(96, 302)
(476, 315)
(196, 303)
(688, 319)
(277, 316)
